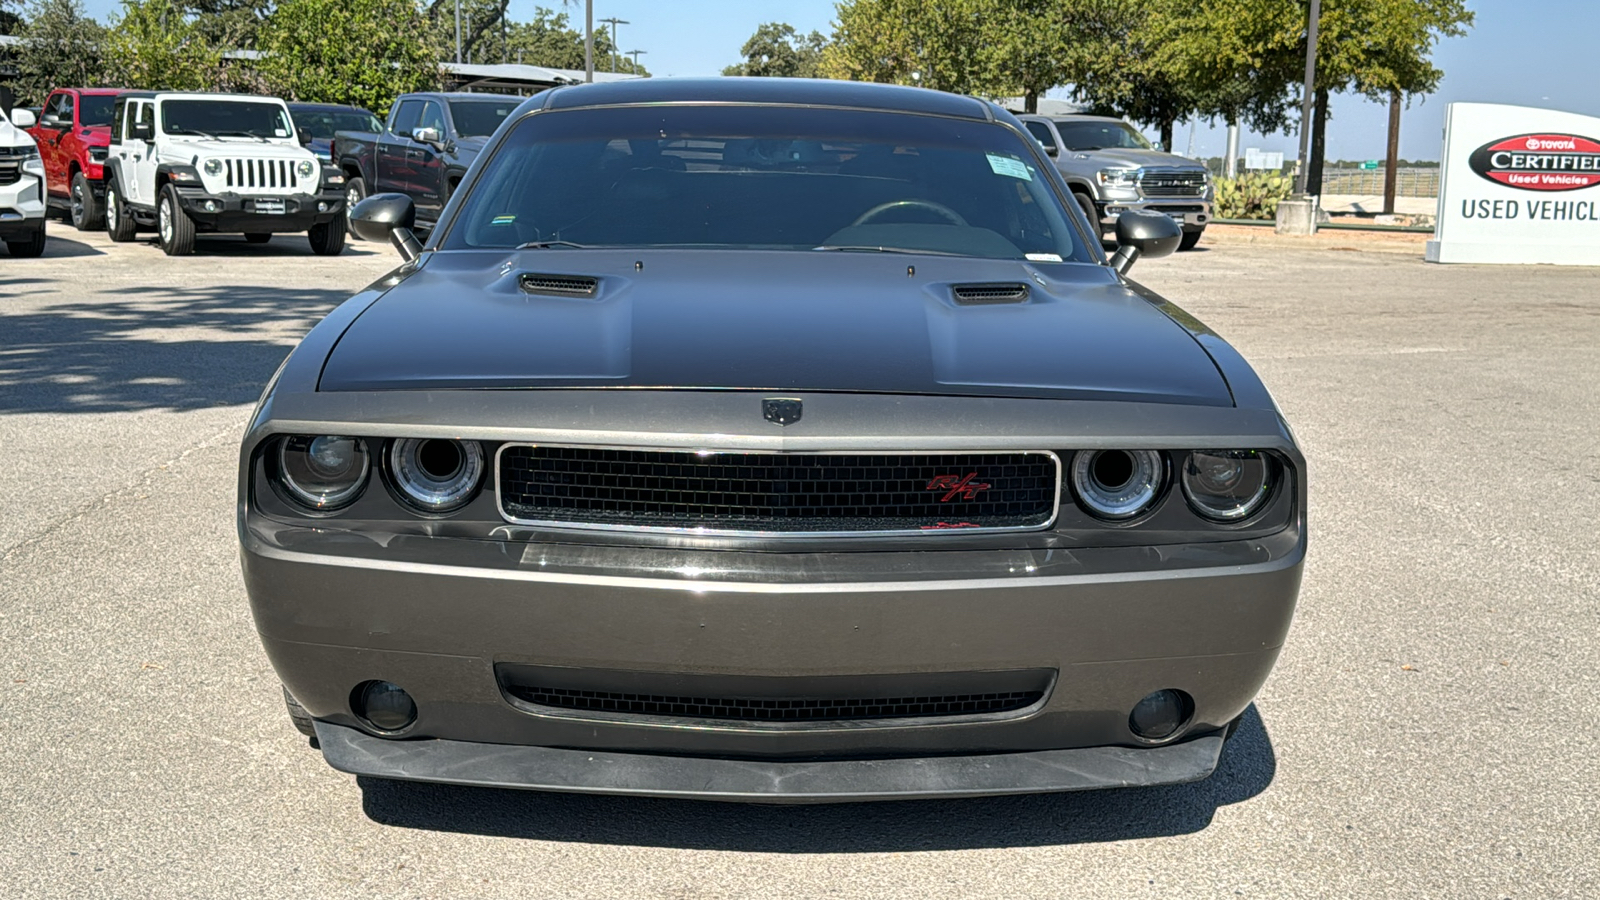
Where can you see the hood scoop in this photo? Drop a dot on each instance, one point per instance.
(990, 293)
(559, 285)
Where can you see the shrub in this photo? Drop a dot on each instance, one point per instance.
(1253, 195)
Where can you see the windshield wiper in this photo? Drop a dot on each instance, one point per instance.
(248, 134)
(863, 248)
(546, 245)
(194, 131)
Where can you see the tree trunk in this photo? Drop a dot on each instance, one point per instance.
(1030, 101)
(1319, 144)
(1392, 162)
(1166, 134)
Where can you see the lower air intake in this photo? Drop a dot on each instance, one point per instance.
(795, 709)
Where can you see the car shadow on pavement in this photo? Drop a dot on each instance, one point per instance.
(56, 247)
(135, 348)
(287, 244)
(1247, 767)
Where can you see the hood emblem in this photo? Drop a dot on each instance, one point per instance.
(781, 410)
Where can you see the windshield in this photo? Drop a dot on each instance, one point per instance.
(1092, 135)
(322, 123)
(95, 109)
(479, 118)
(225, 118)
(747, 177)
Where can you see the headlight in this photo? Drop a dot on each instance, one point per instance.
(332, 176)
(435, 474)
(213, 167)
(323, 471)
(1122, 178)
(307, 168)
(1118, 484)
(1228, 485)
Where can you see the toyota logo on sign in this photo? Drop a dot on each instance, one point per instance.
(1540, 162)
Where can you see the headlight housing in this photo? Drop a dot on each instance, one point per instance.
(1119, 178)
(324, 471)
(1118, 484)
(213, 167)
(435, 475)
(1228, 485)
(307, 168)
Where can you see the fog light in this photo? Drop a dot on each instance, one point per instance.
(384, 706)
(322, 206)
(1161, 715)
(211, 206)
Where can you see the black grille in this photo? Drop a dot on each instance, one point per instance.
(777, 492)
(977, 294)
(559, 285)
(1173, 184)
(793, 709)
(10, 171)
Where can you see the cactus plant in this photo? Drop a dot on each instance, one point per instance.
(1252, 195)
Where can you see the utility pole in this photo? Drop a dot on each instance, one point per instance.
(588, 41)
(458, 32)
(1230, 166)
(616, 42)
(1309, 99)
(635, 55)
(1393, 161)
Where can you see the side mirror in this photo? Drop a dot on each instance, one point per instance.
(387, 217)
(429, 136)
(21, 118)
(1052, 151)
(303, 135)
(144, 131)
(1140, 233)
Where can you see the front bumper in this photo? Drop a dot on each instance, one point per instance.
(244, 212)
(22, 206)
(1193, 213)
(769, 781)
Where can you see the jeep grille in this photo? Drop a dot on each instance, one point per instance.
(261, 175)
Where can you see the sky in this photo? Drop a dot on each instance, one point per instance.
(1525, 52)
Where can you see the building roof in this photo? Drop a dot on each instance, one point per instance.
(785, 91)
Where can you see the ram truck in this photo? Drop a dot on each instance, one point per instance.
(73, 134)
(424, 150)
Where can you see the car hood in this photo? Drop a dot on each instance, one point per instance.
(233, 147)
(1123, 157)
(12, 136)
(778, 321)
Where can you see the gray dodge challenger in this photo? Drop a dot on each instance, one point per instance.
(768, 440)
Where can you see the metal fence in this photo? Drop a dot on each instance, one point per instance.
(1409, 182)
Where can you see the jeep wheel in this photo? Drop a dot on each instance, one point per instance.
(1190, 239)
(355, 191)
(84, 208)
(258, 237)
(32, 245)
(120, 226)
(173, 224)
(327, 239)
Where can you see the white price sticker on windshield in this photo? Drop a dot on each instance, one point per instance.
(1005, 165)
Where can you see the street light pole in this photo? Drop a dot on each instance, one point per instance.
(458, 32)
(588, 41)
(635, 55)
(1310, 98)
(616, 43)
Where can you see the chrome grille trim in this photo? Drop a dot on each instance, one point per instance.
(1172, 183)
(1048, 523)
(261, 175)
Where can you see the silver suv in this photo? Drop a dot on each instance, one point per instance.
(1111, 168)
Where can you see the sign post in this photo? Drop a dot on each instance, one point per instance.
(1520, 185)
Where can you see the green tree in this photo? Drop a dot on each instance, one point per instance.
(776, 50)
(230, 24)
(60, 48)
(358, 52)
(939, 44)
(155, 45)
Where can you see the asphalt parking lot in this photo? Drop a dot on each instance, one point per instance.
(1430, 730)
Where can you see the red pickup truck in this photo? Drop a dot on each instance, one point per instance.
(73, 132)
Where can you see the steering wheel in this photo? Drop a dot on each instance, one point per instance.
(939, 209)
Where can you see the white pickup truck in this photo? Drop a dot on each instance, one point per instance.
(190, 163)
(21, 186)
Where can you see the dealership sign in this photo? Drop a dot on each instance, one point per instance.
(1520, 185)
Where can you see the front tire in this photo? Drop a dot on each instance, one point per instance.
(1086, 203)
(355, 191)
(84, 209)
(327, 239)
(173, 224)
(30, 246)
(120, 226)
(1190, 240)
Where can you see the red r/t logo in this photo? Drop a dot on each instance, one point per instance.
(955, 485)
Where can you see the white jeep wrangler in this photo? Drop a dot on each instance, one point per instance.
(213, 163)
(21, 186)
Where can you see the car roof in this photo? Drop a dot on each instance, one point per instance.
(1074, 117)
(96, 91)
(466, 95)
(298, 105)
(776, 91)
